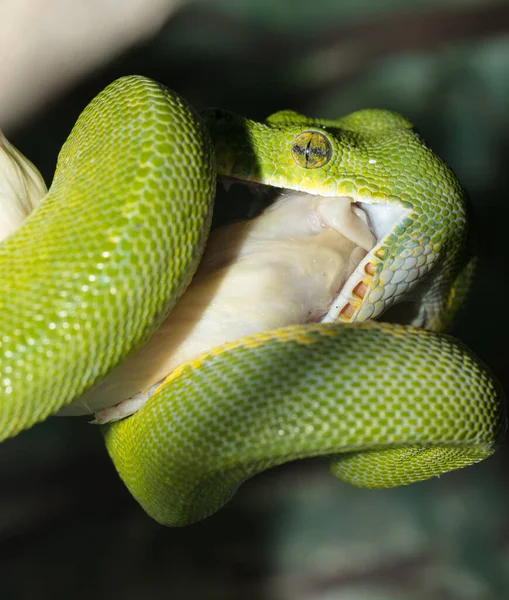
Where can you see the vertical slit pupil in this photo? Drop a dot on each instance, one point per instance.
(308, 151)
(311, 150)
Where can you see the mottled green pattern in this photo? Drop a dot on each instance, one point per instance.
(307, 391)
(113, 245)
(101, 262)
(378, 157)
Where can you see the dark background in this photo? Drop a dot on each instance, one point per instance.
(68, 527)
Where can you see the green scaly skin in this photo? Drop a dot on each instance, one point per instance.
(377, 157)
(87, 278)
(129, 211)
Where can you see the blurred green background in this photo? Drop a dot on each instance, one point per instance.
(68, 527)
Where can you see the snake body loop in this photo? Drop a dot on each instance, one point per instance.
(398, 424)
(96, 268)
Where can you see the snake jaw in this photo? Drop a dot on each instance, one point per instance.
(364, 295)
(376, 283)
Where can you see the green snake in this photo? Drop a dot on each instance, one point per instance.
(97, 267)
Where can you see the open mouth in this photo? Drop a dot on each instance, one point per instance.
(366, 224)
(381, 220)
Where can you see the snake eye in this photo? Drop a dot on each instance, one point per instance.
(311, 150)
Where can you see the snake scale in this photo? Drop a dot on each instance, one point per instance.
(97, 267)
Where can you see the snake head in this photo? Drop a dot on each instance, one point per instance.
(414, 204)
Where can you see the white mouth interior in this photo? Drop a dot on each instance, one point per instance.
(382, 217)
(363, 222)
(381, 220)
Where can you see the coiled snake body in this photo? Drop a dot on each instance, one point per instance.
(98, 266)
